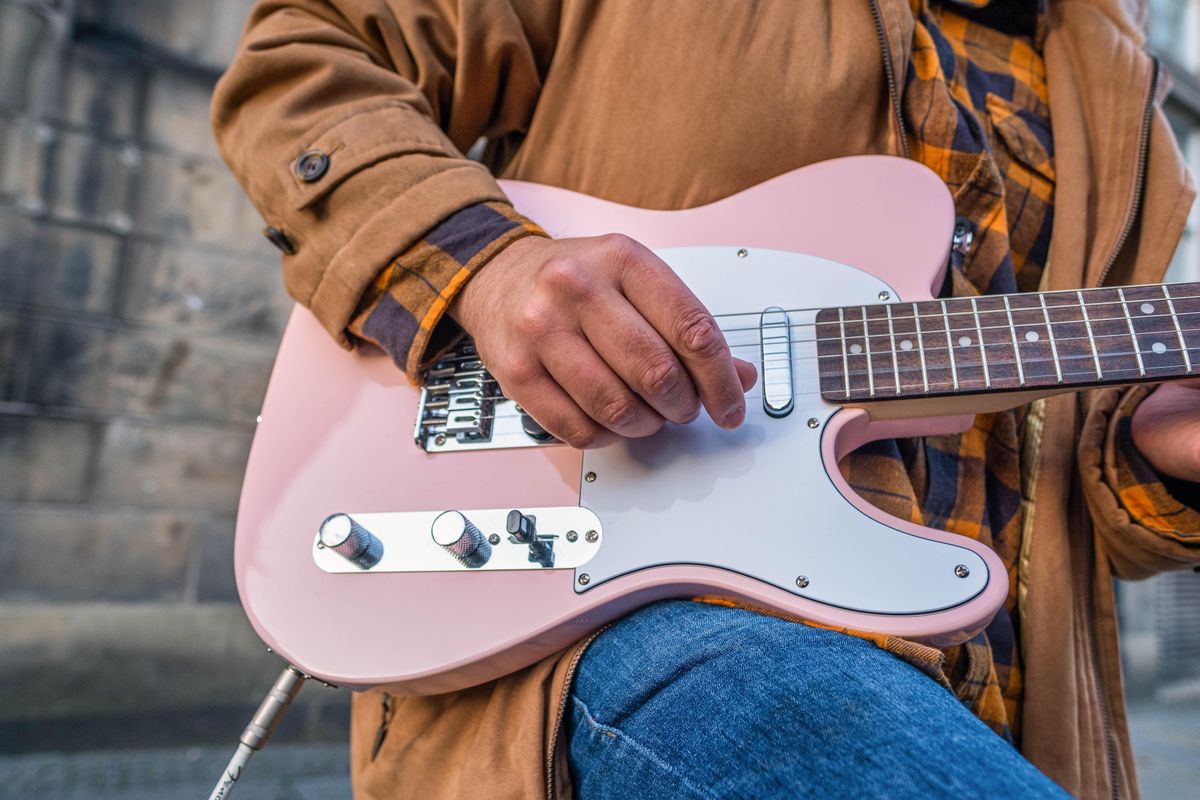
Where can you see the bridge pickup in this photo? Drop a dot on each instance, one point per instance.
(775, 334)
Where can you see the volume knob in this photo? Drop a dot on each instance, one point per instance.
(459, 537)
(341, 534)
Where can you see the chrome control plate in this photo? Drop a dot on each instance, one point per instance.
(408, 544)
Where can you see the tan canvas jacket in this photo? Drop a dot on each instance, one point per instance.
(668, 105)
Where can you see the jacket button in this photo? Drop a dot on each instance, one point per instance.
(279, 239)
(312, 165)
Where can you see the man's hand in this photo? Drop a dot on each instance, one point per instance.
(1166, 429)
(597, 338)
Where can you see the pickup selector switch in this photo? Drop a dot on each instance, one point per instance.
(341, 534)
(459, 537)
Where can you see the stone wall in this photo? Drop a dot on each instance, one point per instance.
(140, 309)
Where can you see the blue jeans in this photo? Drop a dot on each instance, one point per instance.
(692, 700)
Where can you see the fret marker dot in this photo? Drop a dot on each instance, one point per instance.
(964, 341)
(1031, 336)
(855, 349)
(905, 344)
(1159, 348)
(1147, 308)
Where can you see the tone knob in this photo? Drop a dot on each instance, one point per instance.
(459, 537)
(341, 534)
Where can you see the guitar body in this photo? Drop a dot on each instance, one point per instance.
(760, 514)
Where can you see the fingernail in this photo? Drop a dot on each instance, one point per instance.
(734, 418)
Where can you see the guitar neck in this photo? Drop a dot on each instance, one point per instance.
(1036, 343)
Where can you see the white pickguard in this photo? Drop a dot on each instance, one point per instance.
(758, 500)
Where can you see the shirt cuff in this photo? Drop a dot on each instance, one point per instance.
(403, 311)
(1160, 503)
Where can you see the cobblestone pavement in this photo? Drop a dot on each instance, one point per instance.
(1166, 738)
(279, 772)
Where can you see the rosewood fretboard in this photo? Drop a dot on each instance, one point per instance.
(1021, 342)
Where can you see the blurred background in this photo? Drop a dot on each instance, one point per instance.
(140, 309)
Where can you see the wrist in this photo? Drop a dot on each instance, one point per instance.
(474, 301)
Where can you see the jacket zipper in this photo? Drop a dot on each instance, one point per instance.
(1110, 748)
(562, 709)
(1140, 176)
(890, 75)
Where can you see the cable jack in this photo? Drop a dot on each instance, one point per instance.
(261, 726)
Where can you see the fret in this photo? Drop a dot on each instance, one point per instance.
(938, 377)
(1183, 348)
(906, 348)
(1033, 340)
(895, 351)
(1091, 337)
(987, 379)
(921, 349)
(1016, 348)
(996, 336)
(950, 346)
(1155, 333)
(1073, 346)
(1110, 334)
(867, 339)
(833, 353)
(1053, 344)
(1185, 299)
(1137, 351)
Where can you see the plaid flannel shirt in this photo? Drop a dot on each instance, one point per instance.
(975, 110)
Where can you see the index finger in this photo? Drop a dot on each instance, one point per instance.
(666, 302)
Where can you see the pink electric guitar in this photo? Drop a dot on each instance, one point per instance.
(431, 539)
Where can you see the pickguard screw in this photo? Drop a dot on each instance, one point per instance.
(801, 581)
(962, 571)
(572, 536)
(494, 538)
(439, 440)
(590, 477)
(585, 579)
(813, 422)
(592, 536)
(743, 252)
(885, 296)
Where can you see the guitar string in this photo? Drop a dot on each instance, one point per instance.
(974, 346)
(808, 388)
(1018, 295)
(938, 331)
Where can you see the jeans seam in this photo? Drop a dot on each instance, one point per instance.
(641, 749)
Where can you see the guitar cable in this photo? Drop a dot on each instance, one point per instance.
(260, 728)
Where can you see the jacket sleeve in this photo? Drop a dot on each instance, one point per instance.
(1146, 526)
(346, 122)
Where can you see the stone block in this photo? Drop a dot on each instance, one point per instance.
(90, 555)
(93, 180)
(45, 460)
(101, 92)
(10, 329)
(183, 466)
(24, 162)
(177, 114)
(197, 289)
(212, 565)
(197, 200)
(56, 266)
(26, 52)
(128, 658)
(148, 373)
(204, 33)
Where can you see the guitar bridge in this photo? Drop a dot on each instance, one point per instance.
(462, 408)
